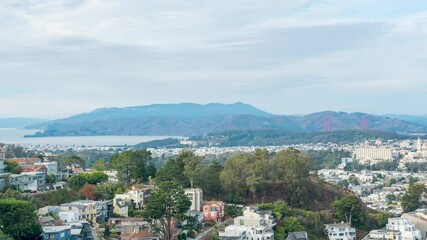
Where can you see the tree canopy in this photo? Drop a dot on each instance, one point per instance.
(166, 209)
(19, 219)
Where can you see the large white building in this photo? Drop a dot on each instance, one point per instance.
(340, 231)
(196, 197)
(253, 225)
(369, 155)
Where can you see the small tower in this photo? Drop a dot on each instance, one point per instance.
(419, 145)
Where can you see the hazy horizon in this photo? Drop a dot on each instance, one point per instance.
(60, 58)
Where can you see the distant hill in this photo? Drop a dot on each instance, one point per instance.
(19, 122)
(189, 119)
(417, 119)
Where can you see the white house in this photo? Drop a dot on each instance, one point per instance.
(254, 224)
(112, 175)
(340, 231)
(405, 227)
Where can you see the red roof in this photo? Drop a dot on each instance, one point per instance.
(24, 160)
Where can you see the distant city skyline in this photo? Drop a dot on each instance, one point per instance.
(60, 58)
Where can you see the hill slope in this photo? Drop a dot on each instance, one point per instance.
(188, 119)
(19, 122)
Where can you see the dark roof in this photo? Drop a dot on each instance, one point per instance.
(297, 236)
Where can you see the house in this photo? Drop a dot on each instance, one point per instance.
(297, 236)
(89, 210)
(196, 197)
(383, 234)
(127, 226)
(34, 168)
(254, 224)
(52, 167)
(120, 207)
(30, 181)
(141, 235)
(340, 231)
(213, 211)
(57, 232)
(25, 161)
(405, 227)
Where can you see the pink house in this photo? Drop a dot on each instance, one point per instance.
(213, 210)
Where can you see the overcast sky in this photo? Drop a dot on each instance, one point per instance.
(63, 57)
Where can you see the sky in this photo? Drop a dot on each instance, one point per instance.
(64, 57)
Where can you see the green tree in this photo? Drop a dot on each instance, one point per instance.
(19, 219)
(74, 160)
(107, 232)
(77, 181)
(390, 198)
(192, 164)
(151, 170)
(99, 165)
(96, 177)
(234, 175)
(12, 167)
(51, 178)
(208, 179)
(131, 164)
(172, 171)
(292, 169)
(411, 199)
(166, 209)
(289, 224)
(350, 209)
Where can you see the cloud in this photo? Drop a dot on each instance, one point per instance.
(74, 56)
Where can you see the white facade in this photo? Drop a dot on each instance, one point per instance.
(196, 197)
(24, 181)
(254, 225)
(340, 231)
(364, 155)
(383, 234)
(69, 214)
(405, 227)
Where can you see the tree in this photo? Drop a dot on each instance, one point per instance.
(95, 177)
(289, 224)
(19, 219)
(172, 171)
(233, 177)
(411, 199)
(74, 160)
(151, 170)
(166, 209)
(88, 191)
(12, 167)
(51, 178)
(291, 168)
(208, 180)
(107, 232)
(131, 164)
(99, 165)
(77, 181)
(350, 209)
(390, 198)
(192, 164)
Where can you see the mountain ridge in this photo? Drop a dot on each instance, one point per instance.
(189, 119)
